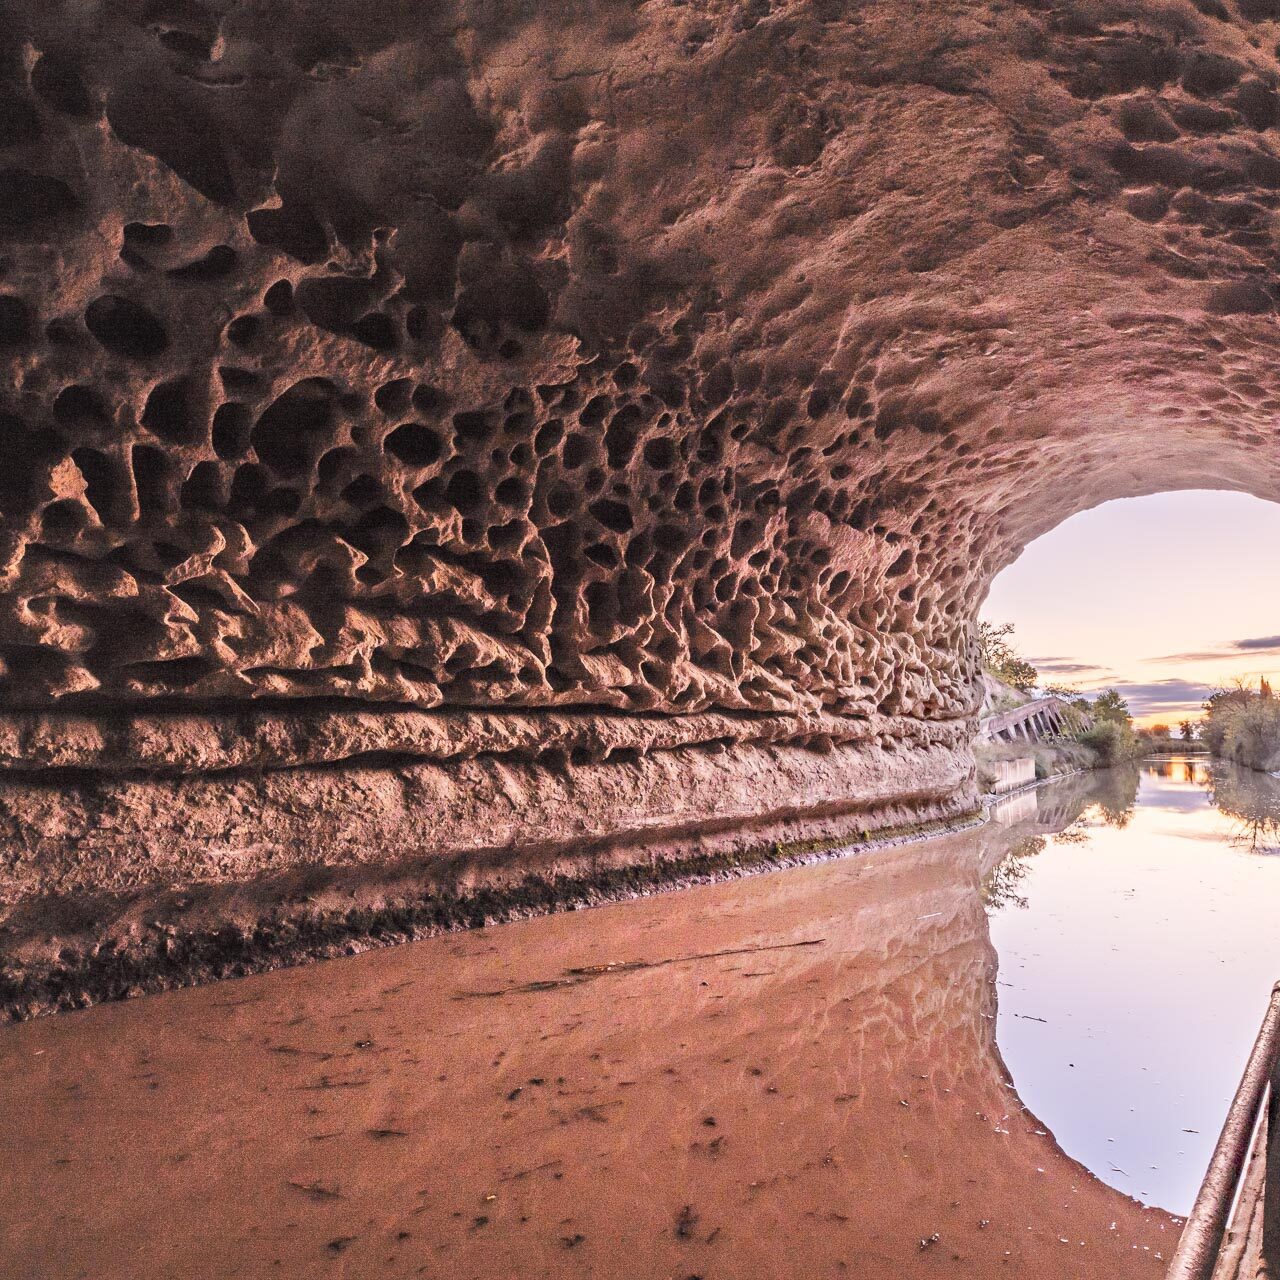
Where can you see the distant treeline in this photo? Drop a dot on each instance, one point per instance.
(1161, 744)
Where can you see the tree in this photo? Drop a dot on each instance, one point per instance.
(1188, 728)
(1243, 724)
(1001, 659)
(1109, 706)
(1067, 692)
(1160, 731)
(1221, 708)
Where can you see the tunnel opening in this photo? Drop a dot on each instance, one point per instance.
(1164, 599)
(1145, 606)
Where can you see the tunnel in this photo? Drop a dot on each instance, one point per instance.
(458, 459)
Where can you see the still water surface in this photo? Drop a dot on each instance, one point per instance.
(1137, 950)
(901, 1063)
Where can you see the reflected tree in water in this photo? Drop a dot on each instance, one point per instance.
(1175, 769)
(1252, 801)
(1116, 796)
(1069, 808)
(1000, 885)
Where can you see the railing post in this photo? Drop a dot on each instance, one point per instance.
(1271, 1188)
(1197, 1252)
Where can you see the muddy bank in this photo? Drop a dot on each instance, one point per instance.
(112, 887)
(787, 1075)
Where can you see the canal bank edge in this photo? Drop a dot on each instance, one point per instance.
(113, 887)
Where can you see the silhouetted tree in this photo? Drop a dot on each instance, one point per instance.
(999, 657)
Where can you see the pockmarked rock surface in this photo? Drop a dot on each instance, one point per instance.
(615, 408)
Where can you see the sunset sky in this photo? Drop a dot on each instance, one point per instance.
(1163, 597)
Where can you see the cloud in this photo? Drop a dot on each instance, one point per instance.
(1263, 644)
(1065, 668)
(1201, 655)
(1162, 697)
(1231, 649)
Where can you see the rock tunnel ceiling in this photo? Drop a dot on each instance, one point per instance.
(653, 384)
(336, 377)
(485, 355)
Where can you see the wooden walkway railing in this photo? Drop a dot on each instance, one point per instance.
(1233, 1230)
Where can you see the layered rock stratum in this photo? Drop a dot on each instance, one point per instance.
(447, 441)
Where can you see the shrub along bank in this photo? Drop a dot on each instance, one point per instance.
(1243, 725)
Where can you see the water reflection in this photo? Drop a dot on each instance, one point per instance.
(1000, 884)
(1194, 769)
(804, 1073)
(1067, 808)
(1177, 783)
(1137, 949)
(1116, 793)
(792, 1075)
(1251, 801)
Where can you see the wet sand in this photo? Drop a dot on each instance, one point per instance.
(793, 1075)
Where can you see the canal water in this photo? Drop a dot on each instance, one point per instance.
(1137, 949)
(966, 1055)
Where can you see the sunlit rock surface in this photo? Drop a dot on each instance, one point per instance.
(633, 401)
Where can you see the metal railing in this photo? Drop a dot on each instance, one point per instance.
(1233, 1230)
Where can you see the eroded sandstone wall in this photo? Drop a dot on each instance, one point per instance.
(575, 387)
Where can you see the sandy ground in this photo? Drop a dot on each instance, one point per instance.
(793, 1075)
